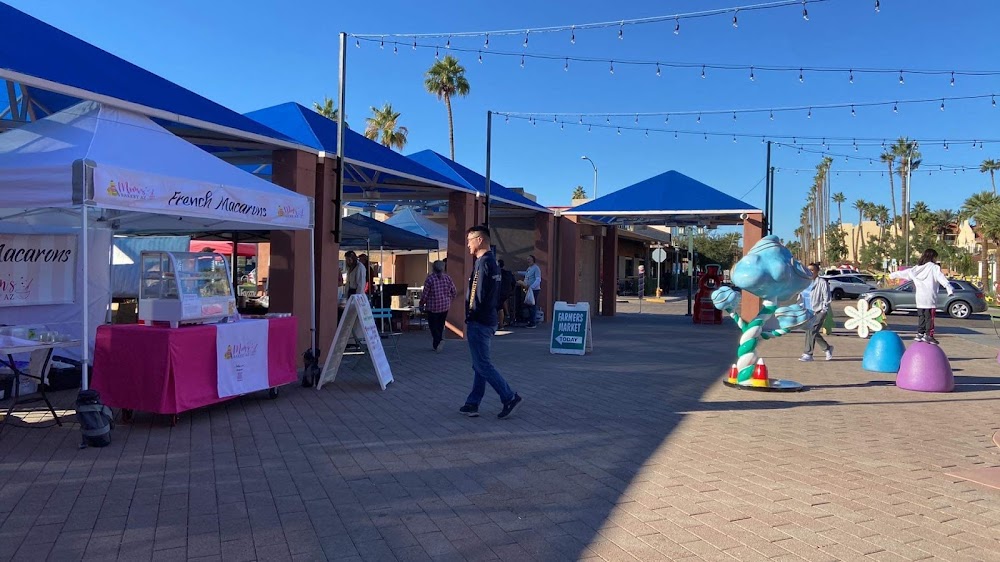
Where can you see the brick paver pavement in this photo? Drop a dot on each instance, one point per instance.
(635, 452)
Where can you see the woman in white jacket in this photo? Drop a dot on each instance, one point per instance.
(926, 276)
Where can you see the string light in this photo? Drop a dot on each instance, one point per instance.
(357, 43)
(810, 114)
(677, 26)
(486, 44)
(805, 12)
(734, 116)
(619, 130)
(522, 61)
(702, 72)
(447, 44)
(636, 118)
(952, 78)
(853, 113)
(876, 6)
(381, 43)
(895, 108)
(621, 31)
(436, 55)
(751, 74)
(395, 50)
(699, 119)
(900, 76)
(414, 45)
(850, 77)
(657, 69)
(801, 79)
(735, 15)
(612, 67)
(572, 35)
(566, 66)
(525, 45)
(772, 115)
(480, 58)
(942, 105)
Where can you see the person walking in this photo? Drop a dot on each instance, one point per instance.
(481, 322)
(357, 274)
(926, 276)
(817, 299)
(533, 283)
(507, 287)
(439, 291)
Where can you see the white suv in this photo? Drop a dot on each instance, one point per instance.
(848, 286)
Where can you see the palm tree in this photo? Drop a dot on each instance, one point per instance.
(890, 159)
(579, 193)
(920, 213)
(383, 126)
(881, 215)
(942, 221)
(327, 110)
(839, 199)
(860, 205)
(446, 78)
(908, 153)
(975, 208)
(990, 165)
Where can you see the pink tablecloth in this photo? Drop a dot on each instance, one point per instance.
(171, 370)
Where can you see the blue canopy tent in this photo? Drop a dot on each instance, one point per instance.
(372, 173)
(669, 199)
(475, 182)
(365, 233)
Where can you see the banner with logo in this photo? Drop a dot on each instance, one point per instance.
(37, 269)
(241, 356)
(117, 188)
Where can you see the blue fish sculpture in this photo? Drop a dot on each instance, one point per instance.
(771, 272)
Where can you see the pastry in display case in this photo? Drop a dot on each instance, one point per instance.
(185, 288)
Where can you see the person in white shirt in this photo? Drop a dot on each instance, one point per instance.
(533, 283)
(926, 276)
(357, 274)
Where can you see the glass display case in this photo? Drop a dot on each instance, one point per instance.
(185, 288)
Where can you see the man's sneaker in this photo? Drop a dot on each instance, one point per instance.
(806, 357)
(931, 340)
(920, 337)
(440, 346)
(508, 408)
(829, 353)
(470, 410)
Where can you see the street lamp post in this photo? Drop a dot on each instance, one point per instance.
(587, 158)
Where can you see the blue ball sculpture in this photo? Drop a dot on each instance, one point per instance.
(884, 352)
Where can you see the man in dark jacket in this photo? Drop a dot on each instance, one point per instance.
(508, 284)
(481, 322)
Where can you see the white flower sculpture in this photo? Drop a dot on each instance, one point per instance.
(864, 318)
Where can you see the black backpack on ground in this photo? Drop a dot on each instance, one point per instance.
(95, 419)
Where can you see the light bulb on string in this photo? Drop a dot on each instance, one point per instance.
(901, 77)
(657, 69)
(734, 139)
(619, 130)
(522, 61)
(357, 43)
(581, 119)
(608, 119)
(666, 119)
(480, 57)
(809, 115)
(703, 71)
(447, 44)
(805, 12)
(751, 74)
(706, 137)
(566, 65)
(486, 44)
(735, 16)
(590, 128)
(636, 118)
(734, 116)
(612, 68)
(436, 54)
(554, 118)
(993, 100)
(946, 145)
(647, 133)
(801, 78)
(414, 45)
(525, 44)
(381, 43)
(699, 119)
(562, 126)
(675, 134)
(572, 35)
(853, 113)
(621, 31)
(876, 6)
(772, 115)
(506, 118)
(953, 78)
(677, 26)
(395, 48)
(895, 108)
(942, 105)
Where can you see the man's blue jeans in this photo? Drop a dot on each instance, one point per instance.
(480, 336)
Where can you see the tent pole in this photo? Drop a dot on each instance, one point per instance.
(688, 230)
(233, 257)
(312, 292)
(85, 364)
(338, 197)
(381, 285)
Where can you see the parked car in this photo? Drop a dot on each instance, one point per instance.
(967, 299)
(848, 286)
(832, 272)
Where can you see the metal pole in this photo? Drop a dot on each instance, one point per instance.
(595, 179)
(768, 211)
(85, 244)
(338, 198)
(770, 223)
(489, 142)
(687, 232)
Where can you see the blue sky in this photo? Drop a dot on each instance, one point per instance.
(254, 53)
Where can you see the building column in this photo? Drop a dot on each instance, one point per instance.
(609, 272)
(544, 255)
(567, 264)
(290, 250)
(753, 231)
(461, 216)
(327, 254)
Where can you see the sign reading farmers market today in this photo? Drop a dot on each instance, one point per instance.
(571, 329)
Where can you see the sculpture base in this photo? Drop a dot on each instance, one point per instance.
(773, 385)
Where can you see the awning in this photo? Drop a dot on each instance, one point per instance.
(362, 233)
(225, 248)
(670, 199)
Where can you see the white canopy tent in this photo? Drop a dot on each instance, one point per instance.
(99, 167)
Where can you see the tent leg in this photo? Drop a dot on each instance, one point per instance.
(85, 354)
(312, 291)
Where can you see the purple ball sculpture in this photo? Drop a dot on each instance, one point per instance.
(925, 368)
